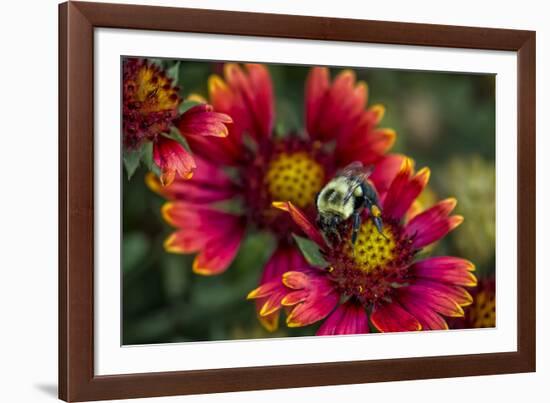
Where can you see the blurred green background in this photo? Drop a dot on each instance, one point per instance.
(443, 120)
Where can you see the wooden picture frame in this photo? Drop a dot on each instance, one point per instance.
(77, 22)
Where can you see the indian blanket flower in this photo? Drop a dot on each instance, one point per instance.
(482, 312)
(383, 278)
(151, 108)
(257, 167)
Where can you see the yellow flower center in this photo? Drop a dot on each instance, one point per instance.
(154, 91)
(482, 312)
(294, 177)
(371, 249)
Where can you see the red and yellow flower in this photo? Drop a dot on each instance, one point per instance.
(381, 278)
(482, 312)
(151, 108)
(257, 167)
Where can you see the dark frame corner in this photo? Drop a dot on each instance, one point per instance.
(77, 21)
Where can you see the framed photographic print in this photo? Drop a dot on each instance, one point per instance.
(256, 201)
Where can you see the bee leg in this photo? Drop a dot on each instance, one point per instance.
(378, 224)
(375, 214)
(355, 228)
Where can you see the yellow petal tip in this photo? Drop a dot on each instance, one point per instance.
(281, 205)
(270, 324)
(215, 82)
(456, 221)
(407, 165)
(203, 271)
(424, 174)
(253, 294)
(451, 201)
(268, 309)
(165, 212)
(152, 182)
(379, 110)
(196, 98)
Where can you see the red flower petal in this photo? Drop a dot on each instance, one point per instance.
(392, 317)
(333, 110)
(348, 318)
(317, 84)
(285, 258)
(404, 190)
(299, 218)
(268, 298)
(185, 215)
(446, 269)
(214, 234)
(337, 112)
(296, 280)
(172, 158)
(218, 254)
(184, 241)
(362, 141)
(376, 113)
(201, 120)
(208, 184)
(262, 101)
(308, 312)
(457, 293)
(368, 145)
(313, 301)
(424, 294)
(264, 290)
(433, 224)
(294, 297)
(190, 191)
(222, 150)
(271, 291)
(385, 171)
(429, 319)
(247, 98)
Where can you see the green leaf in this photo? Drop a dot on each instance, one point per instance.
(311, 252)
(158, 62)
(147, 158)
(176, 136)
(174, 72)
(131, 160)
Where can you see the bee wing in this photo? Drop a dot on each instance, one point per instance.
(356, 169)
(358, 174)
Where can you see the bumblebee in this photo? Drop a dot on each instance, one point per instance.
(345, 197)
